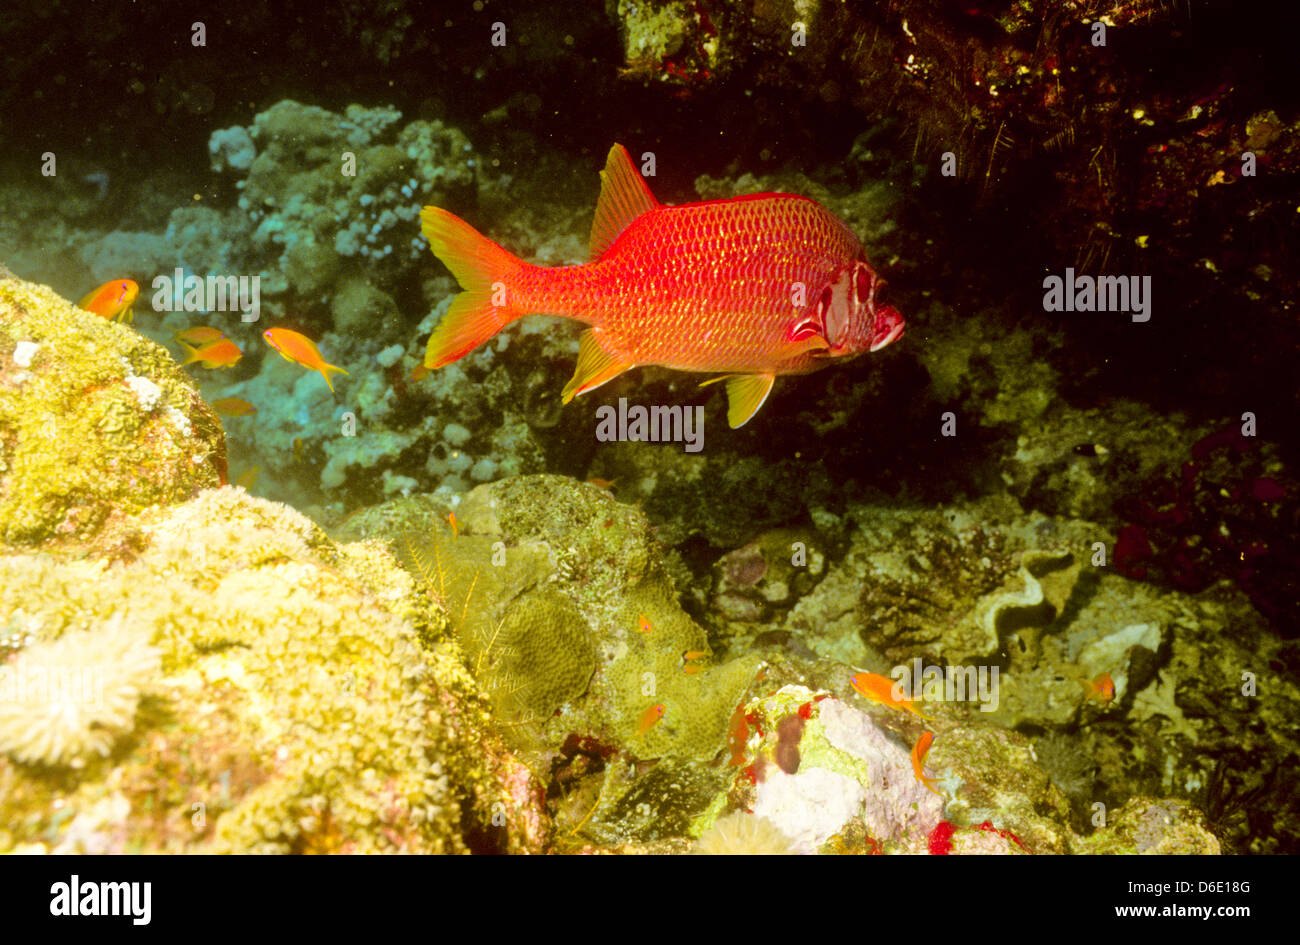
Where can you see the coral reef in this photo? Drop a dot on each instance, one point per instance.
(96, 423)
(454, 644)
(296, 708)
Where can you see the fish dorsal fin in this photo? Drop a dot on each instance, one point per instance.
(595, 367)
(745, 394)
(624, 196)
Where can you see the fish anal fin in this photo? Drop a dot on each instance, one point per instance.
(595, 367)
(745, 394)
(624, 196)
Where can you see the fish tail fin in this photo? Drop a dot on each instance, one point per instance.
(190, 350)
(325, 370)
(483, 270)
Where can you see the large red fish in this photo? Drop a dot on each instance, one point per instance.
(754, 286)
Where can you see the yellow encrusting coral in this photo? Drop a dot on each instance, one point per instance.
(298, 710)
(97, 423)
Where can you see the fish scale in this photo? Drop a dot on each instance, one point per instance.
(707, 286)
(659, 297)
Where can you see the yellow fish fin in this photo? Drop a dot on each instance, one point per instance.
(624, 196)
(325, 373)
(192, 351)
(745, 394)
(595, 367)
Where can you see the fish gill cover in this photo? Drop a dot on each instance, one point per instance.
(310, 539)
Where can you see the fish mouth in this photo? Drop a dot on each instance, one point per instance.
(889, 327)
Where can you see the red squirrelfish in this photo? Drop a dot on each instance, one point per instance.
(751, 287)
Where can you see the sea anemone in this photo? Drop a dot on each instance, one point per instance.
(742, 834)
(64, 700)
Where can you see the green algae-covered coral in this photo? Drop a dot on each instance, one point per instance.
(295, 709)
(546, 545)
(96, 422)
(564, 609)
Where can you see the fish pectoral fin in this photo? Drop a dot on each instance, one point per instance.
(745, 394)
(802, 345)
(595, 367)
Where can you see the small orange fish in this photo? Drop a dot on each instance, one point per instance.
(302, 350)
(112, 300)
(649, 717)
(199, 335)
(689, 668)
(233, 407)
(643, 624)
(1101, 688)
(451, 520)
(918, 761)
(222, 353)
(880, 689)
(601, 483)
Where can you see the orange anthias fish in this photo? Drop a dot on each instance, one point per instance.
(643, 624)
(918, 761)
(222, 353)
(301, 350)
(112, 300)
(233, 407)
(752, 287)
(199, 335)
(1102, 688)
(880, 689)
(649, 717)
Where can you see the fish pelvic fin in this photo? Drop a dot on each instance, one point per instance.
(595, 367)
(624, 196)
(745, 394)
(483, 269)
